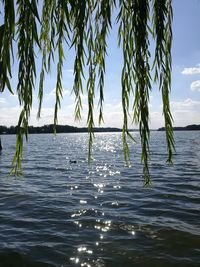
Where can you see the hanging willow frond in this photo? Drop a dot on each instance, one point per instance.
(27, 40)
(90, 82)
(79, 17)
(84, 26)
(127, 72)
(142, 78)
(135, 79)
(102, 28)
(96, 47)
(62, 22)
(47, 35)
(162, 27)
(7, 32)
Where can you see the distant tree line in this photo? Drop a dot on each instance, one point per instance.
(59, 129)
(192, 127)
(71, 129)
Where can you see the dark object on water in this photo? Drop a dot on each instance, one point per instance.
(0, 145)
(72, 161)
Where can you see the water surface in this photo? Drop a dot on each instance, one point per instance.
(75, 214)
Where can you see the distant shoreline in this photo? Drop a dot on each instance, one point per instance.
(48, 129)
(192, 127)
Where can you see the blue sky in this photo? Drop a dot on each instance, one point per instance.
(185, 93)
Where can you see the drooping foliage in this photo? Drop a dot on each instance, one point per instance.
(47, 27)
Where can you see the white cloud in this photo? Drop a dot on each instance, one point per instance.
(69, 70)
(185, 112)
(186, 105)
(3, 100)
(64, 92)
(191, 71)
(183, 117)
(13, 95)
(195, 86)
(156, 119)
(53, 92)
(9, 116)
(84, 97)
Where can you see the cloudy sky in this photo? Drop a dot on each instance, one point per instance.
(185, 93)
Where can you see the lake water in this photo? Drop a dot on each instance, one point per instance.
(75, 214)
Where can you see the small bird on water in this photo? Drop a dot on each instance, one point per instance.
(72, 161)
